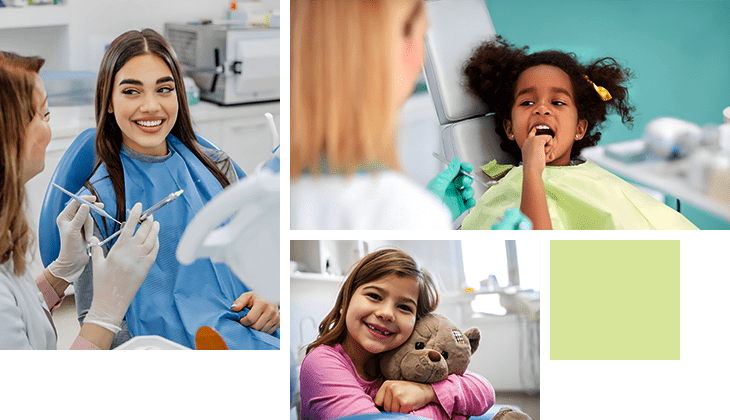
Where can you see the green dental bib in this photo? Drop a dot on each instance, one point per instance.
(584, 196)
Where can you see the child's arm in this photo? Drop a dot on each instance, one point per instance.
(534, 201)
(329, 386)
(468, 394)
(404, 396)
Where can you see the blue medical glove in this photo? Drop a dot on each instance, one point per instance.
(454, 188)
(513, 219)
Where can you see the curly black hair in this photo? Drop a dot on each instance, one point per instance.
(495, 65)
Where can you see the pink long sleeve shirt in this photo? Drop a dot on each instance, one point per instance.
(330, 388)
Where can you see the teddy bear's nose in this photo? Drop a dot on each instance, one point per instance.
(434, 356)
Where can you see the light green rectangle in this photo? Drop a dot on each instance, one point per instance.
(614, 300)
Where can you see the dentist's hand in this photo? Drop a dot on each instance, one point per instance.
(262, 316)
(118, 276)
(75, 226)
(513, 219)
(454, 188)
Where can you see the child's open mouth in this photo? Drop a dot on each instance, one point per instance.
(543, 129)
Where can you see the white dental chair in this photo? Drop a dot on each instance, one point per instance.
(456, 28)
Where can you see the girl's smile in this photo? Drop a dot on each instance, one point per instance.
(545, 105)
(144, 104)
(380, 317)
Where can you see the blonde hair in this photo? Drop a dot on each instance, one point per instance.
(342, 101)
(17, 83)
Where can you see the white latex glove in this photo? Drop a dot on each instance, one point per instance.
(72, 257)
(118, 276)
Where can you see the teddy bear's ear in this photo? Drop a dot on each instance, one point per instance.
(474, 336)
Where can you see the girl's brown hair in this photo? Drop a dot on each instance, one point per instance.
(375, 266)
(17, 83)
(342, 105)
(108, 140)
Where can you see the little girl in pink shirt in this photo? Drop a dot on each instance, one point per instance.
(375, 311)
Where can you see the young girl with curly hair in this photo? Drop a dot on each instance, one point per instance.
(548, 108)
(376, 310)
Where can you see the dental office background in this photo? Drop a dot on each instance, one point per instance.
(492, 284)
(72, 37)
(678, 51)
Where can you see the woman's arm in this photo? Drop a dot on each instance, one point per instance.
(52, 288)
(329, 387)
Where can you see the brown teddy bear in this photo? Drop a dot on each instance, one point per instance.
(435, 350)
(509, 413)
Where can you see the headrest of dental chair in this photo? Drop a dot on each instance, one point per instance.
(74, 168)
(456, 28)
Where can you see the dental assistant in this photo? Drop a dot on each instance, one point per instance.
(26, 302)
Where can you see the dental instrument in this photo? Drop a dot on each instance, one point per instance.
(165, 201)
(486, 184)
(89, 245)
(169, 199)
(81, 200)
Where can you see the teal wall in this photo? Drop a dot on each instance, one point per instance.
(678, 50)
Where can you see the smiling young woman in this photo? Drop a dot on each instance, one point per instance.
(144, 104)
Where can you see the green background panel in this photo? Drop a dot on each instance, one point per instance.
(614, 300)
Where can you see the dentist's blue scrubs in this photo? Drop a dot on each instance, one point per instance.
(176, 300)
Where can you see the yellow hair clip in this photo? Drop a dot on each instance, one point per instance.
(602, 91)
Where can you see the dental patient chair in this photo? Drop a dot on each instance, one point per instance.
(75, 167)
(456, 28)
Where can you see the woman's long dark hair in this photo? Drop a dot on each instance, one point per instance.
(108, 140)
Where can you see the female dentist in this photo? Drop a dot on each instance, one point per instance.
(353, 66)
(26, 303)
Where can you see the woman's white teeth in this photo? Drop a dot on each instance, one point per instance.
(149, 123)
(379, 331)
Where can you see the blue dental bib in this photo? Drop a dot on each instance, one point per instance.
(176, 300)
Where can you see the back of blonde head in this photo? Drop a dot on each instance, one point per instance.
(342, 107)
